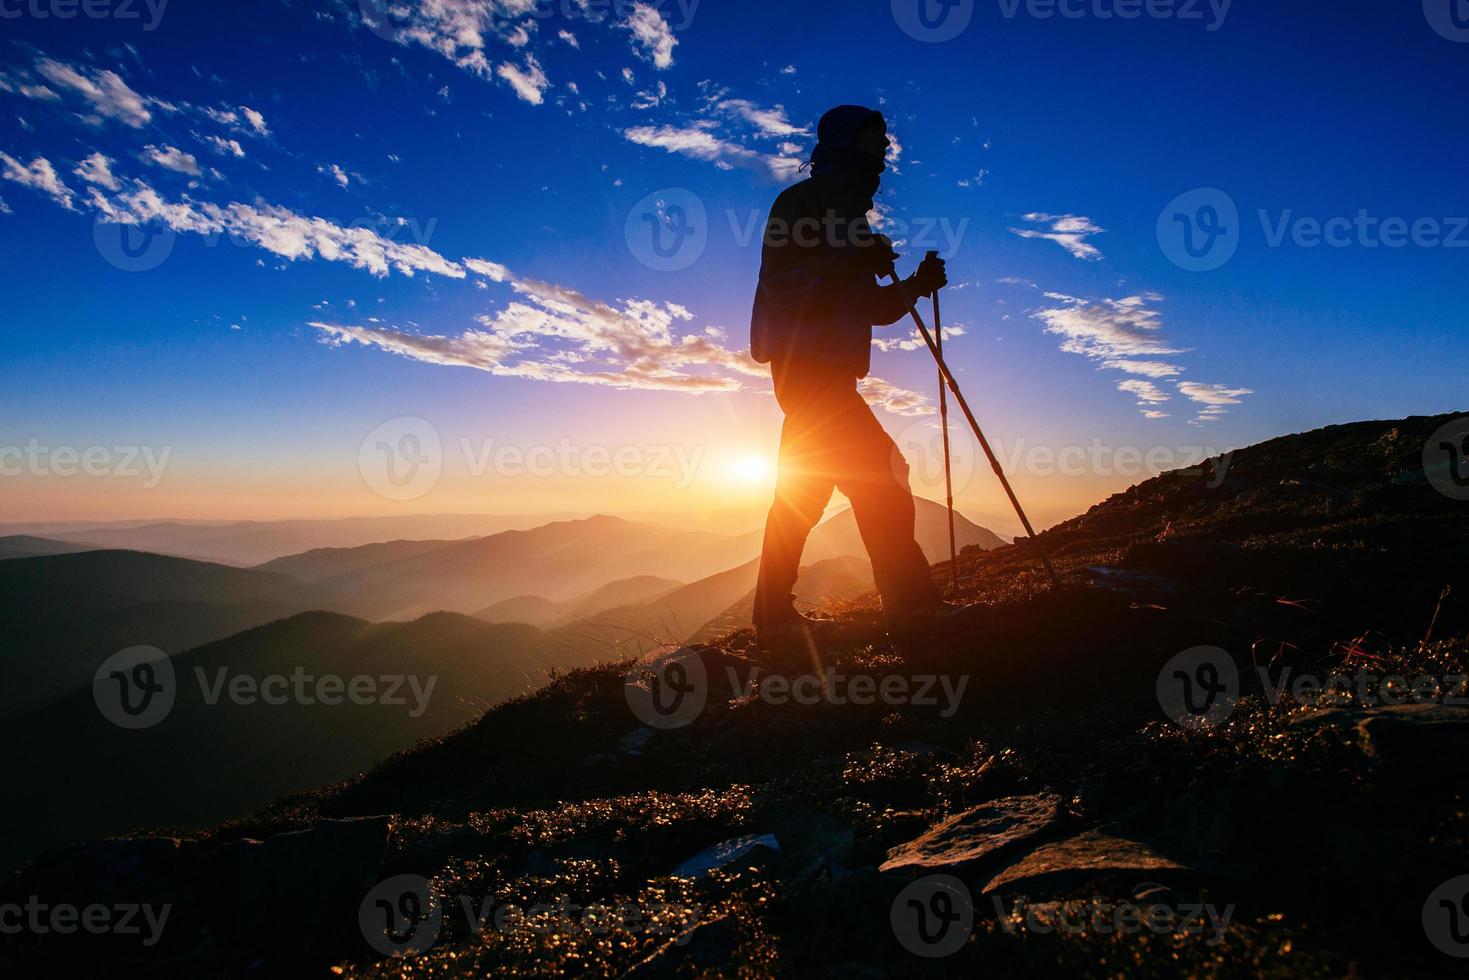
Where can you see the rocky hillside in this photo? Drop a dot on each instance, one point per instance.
(1138, 774)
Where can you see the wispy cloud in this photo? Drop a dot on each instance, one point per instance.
(700, 141)
(1216, 399)
(171, 158)
(768, 121)
(653, 39)
(1126, 335)
(528, 82)
(275, 229)
(104, 91)
(1109, 329)
(39, 175)
(1070, 231)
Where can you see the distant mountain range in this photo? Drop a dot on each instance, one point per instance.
(252, 542)
(74, 608)
(545, 599)
(73, 774)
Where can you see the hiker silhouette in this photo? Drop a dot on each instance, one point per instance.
(816, 304)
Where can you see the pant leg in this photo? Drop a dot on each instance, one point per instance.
(875, 479)
(804, 483)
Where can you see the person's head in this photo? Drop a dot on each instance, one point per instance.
(851, 148)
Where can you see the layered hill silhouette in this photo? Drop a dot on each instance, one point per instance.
(253, 542)
(77, 605)
(772, 838)
(29, 546)
(69, 612)
(214, 757)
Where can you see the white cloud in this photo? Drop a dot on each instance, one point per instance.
(458, 29)
(1146, 392)
(1107, 330)
(653, 39)
(1125, 335)
(1148, 369)
(97, 169)
(1070, 231)
(768, 121)
(1216, 399)
(569, 38)
(4, 208)
(530, 82)
(278, 230)
(256, 120)
(28, 90)
(650, 98)
(171, 158)
(700, 142)
(105, 91)
(337, 173)
(38, 175)
(899, 401)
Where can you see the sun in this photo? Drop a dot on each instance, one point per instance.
(750, 468)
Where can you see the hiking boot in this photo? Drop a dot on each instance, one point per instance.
(938, 618)
(792, 635)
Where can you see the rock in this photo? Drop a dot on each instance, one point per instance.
(1093, 856)
(1413, 738)
(635, 741)
(812, 843)
(432, 851)
(705, 946)
(983, 835)
(723, 853)
(301, 886)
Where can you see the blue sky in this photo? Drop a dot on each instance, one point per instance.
(438, 212)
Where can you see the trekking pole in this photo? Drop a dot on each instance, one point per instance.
(938, 337)
(984, 444)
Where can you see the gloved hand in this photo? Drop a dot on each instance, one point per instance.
(878, 255)
(930, 277)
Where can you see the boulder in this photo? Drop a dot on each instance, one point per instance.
(981, 836)
(1092, 857)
